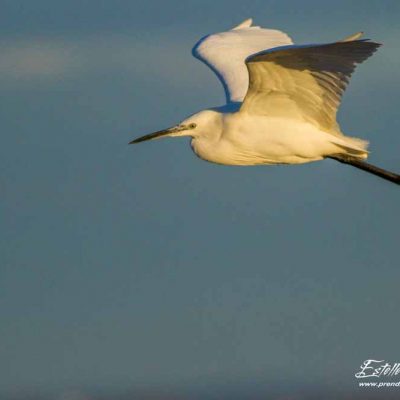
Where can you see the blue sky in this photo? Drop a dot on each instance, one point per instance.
(142, 268)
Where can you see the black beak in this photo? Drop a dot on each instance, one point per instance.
(154, 135)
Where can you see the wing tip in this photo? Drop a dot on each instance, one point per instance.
(373, 46)
(356, 37)
(352, 37)
(244, 24)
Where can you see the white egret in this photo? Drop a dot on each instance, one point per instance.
(281, 100)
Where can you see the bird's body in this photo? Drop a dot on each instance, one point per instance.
(238, 138)
(281, 100)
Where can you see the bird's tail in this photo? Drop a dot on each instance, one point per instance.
(355, 161)
(351, 146)
(359, 147)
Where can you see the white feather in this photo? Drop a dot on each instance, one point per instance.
(225, 53)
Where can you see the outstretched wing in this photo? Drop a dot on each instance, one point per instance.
(225, 53)
(304, 82)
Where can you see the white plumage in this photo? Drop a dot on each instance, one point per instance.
(225, 53)
(281, 99)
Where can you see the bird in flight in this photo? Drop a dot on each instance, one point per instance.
(281, 100)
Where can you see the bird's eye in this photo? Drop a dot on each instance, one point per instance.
(192, 125)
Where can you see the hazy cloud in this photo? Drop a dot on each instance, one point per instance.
(52, 60)
(47, 60)
(40, 58)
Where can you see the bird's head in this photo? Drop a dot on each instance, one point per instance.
(196, 125)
